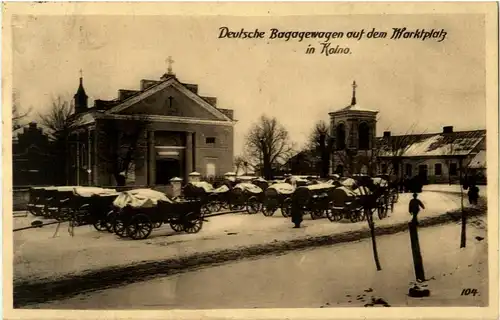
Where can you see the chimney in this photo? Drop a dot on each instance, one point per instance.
(145, 84)
(125, 94)
(448, 129)
(387, 134)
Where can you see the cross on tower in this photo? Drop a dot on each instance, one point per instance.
(81, 73)
(354, 86)
(169, 62)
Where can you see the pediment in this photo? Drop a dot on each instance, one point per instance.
(172, 99)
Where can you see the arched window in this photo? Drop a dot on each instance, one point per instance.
(364, 136)
(340, 136)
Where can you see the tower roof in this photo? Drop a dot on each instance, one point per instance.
(354, 105)
(81, 91)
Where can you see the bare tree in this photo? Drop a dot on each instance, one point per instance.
(59, 122)
(320, 142)
(121, 142)
(268, 143)
(18, 116)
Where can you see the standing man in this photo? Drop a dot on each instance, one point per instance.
(296, 211)
(414, 207)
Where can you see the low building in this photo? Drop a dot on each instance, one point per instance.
(441, 157)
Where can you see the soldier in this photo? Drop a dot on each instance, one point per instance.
(296, 212)
(414, 207)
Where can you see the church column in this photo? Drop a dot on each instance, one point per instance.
(151, 165)
(95, 150)
(77, 167)
(189, 155)
(89, 156)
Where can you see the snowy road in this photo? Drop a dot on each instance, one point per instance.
(38, 255)
(337, 276)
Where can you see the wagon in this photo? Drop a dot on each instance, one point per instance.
(246, 196)
(37, 200)
(92, 205)
(315, 199)
(57, 202)
(202, 191)
(277, 196)
(141, 210)
(345, 203)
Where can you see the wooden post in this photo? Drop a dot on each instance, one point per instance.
(415, 248)
(371, 225)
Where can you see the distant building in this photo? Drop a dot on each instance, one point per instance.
(32, 163)
(182, 132)
(434, 157)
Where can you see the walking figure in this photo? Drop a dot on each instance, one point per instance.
(414, 207)
(473, 194)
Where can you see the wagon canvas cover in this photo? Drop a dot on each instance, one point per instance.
(140, 198)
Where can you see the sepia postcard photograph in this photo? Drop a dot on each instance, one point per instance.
(223, 160)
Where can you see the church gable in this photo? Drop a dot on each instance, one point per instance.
(171, 98)
(172, 102)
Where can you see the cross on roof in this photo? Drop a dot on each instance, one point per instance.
(169, 61)
(354, 86)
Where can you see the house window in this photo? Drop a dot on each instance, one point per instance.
(210, 173)
(453, 169)
(340, 136)
(438, 169)
(210, 140)
(408, 170)
(363, 136)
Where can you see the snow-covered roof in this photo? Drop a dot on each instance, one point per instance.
(459, 143)
(479, 161)
(357, 107)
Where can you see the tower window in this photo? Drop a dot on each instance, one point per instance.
(210, 140)
(340, 136)
(364, 136)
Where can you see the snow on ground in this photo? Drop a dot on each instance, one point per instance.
(338, 276)
(452, 188)
(37, 254)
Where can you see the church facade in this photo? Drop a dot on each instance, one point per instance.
(148, 136)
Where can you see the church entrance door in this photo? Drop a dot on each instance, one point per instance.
(167, 169)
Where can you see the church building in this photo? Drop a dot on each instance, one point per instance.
(441, 157)
(146, 137)
(353, 129)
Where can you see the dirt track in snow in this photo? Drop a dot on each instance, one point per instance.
(29, 293)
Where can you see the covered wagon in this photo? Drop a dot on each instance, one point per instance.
(314, 199)
(246, 196)
(277, 196)
(141, 210)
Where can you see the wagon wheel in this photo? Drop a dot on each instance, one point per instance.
(355, 215)
(110, 217)
(286, 208)
(140, 227)
(214, 205)
(119, 227)
(176, 226)
(205, 209)
(193, 226)
(317, 213)
(269, 210)
(333, 214)
(100, 225)
(382, 211)
(158, 224)
(236, 207)
(253, 205)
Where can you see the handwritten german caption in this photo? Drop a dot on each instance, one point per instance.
(326, 42)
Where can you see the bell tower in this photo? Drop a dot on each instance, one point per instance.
(80, 97)
(353, 129)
